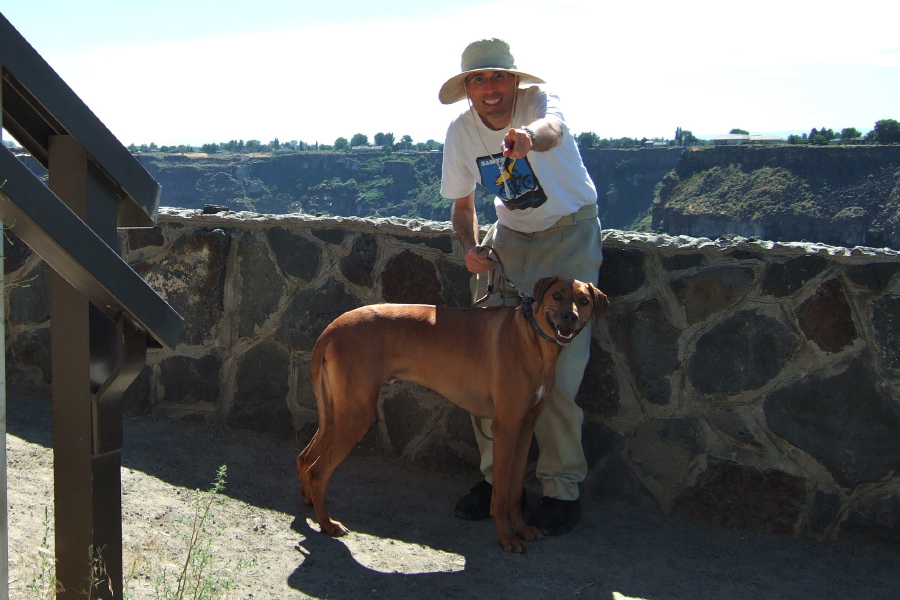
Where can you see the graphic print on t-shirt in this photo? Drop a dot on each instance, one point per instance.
(512, 180)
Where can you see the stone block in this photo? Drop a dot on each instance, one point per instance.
(188, 381)
(873, 276)
(332, 236)
(139, 399)
(712, 291)
(742, 353)
(29, 297)
(682, 262)
(408, 278)
(783, 279)
(358, 266)
(191, 277)
(615, 482)
(296, 255)
(822, 514)
(885, 319)
(15, 251)
(845, 422)
(406, 416)
(743, 498)
(261, 389)
(455, 282)
(665, 450)
(261, 287)
(305, 394)
(826, 318)
(310, 312)
(28, 364)
(622, 271)
(598, 394)
(732, 426)
(443, 244)
(599, 441)
(143, 238)
(875, 515)
(649, 344)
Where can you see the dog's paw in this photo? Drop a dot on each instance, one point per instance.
(529, 533)
(513, 544)
(334, 528)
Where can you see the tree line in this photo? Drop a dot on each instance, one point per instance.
(886, 131)
(385, 141)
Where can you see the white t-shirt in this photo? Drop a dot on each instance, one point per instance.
(539, 189)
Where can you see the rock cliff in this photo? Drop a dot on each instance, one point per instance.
(843, 196)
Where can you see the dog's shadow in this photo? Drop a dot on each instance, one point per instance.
(332, 568)
(404, 541)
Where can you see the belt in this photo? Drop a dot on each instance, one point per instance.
(582, 214)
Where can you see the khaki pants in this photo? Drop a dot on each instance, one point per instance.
(571, 250)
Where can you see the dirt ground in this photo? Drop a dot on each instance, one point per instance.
(405, 542)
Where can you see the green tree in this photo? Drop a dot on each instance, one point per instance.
(850, 133)
(739, 132)
(253, 145)
(406, 142)
(359, 139)
(341, 144)
(887, 131)
(686, 138)
(209, 148)
(587, 140)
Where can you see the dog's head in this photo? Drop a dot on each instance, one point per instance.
(564, 306)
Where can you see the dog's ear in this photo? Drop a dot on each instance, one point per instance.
(542, 285)
(601, 302)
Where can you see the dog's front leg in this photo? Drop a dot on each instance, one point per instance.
(517, 483)
(505, 443)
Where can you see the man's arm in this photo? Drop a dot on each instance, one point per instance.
(545, 133)
(465, 224)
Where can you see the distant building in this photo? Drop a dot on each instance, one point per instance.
(367, 148)
(739, 139)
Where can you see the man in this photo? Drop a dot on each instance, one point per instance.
(514, 141)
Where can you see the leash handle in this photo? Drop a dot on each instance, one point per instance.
(490, 288)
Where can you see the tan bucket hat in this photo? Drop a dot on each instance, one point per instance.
(483, 55)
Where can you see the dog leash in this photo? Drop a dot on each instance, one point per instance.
(499, 267)
(526, 299)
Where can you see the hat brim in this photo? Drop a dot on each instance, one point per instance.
(454, 89)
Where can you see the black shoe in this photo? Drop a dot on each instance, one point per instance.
(476, 505)
(555, 517)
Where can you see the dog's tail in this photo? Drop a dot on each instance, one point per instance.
(320, 385)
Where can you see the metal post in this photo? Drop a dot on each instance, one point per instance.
(4, 482)
(86, 437)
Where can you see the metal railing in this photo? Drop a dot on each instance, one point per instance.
(103, 315)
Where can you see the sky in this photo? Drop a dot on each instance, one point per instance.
(195, 71)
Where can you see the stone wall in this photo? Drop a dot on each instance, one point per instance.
(746, 384)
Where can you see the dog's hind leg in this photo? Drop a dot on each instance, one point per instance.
(352, 409)
(303, 462)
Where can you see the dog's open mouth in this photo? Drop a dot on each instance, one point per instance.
(564, 333)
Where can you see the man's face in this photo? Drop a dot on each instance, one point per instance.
(492, 94)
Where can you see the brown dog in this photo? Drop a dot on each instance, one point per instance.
(496, 363)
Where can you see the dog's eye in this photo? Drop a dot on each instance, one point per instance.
(557, 296)
(583, 301)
